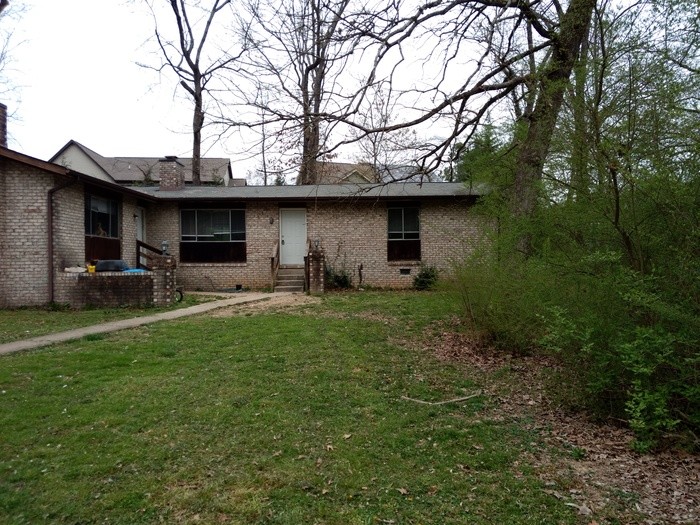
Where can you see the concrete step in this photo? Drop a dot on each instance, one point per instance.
(297, 272)
(295, 288)
(290, 280)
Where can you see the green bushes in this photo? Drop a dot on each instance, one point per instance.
(642, 372)
(627, 342)
(426, 278)
(337, 279)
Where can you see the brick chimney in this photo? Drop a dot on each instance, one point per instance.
(3, 125)
(172, 176)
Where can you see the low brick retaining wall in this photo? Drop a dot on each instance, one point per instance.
(115, 289)
(105, 289)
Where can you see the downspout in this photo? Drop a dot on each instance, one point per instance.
(50, 230)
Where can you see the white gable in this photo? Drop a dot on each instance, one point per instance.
(355, 177)
(77, 160)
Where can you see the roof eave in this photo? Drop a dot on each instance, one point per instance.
(57, 169)
(32, 161)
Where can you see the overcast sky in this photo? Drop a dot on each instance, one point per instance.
(76, 77)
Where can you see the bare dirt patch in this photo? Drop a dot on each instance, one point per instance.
(274, 303)
(588, 464)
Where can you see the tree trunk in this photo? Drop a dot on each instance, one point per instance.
(580, 179)
(534, 147)
(197, 125)
(310, 136)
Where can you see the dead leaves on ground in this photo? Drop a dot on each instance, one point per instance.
(587, 464)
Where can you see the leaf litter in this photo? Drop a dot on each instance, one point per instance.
(587, 463)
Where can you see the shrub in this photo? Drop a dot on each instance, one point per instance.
(627, 349)
(504, 300)
(337, 279)
(426, 278)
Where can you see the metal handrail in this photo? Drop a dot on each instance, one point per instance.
(307, 266)
(274, 264)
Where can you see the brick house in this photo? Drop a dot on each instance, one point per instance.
(53, 217)
(380, 235)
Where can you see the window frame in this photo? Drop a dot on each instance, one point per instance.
(113, 227)
(108, 244)
(200, 245)
(404, 243)
(210, 237)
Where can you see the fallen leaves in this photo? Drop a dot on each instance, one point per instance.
(595, 471)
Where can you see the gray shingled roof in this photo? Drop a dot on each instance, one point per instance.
(126, 170)
(397, 190)
(139, 169)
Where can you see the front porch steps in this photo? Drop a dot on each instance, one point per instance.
(290, 279)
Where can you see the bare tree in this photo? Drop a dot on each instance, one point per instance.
(295, 51)
(5, 36)
(10, 13)
(471, 57)
(566, 42)
(455, 61)
(194, 66)
(8, 16)
(392, 154)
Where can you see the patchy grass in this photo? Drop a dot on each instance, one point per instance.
(284, 418)
(25, 323)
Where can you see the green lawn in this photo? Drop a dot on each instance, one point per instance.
(274, 418)
(25, 323)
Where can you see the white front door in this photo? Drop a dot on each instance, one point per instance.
(292, 236)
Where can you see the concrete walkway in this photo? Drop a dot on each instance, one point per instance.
(77, 333)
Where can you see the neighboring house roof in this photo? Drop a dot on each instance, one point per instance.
(349, 192)
(345, 173)
(397, 190)
(364, 172)
(405, 173)
(138, 170)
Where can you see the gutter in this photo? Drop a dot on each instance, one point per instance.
(50, 230)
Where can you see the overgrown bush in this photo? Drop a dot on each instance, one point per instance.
(426, 278)
(337, 279)
(625, 366)
(628, 340)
